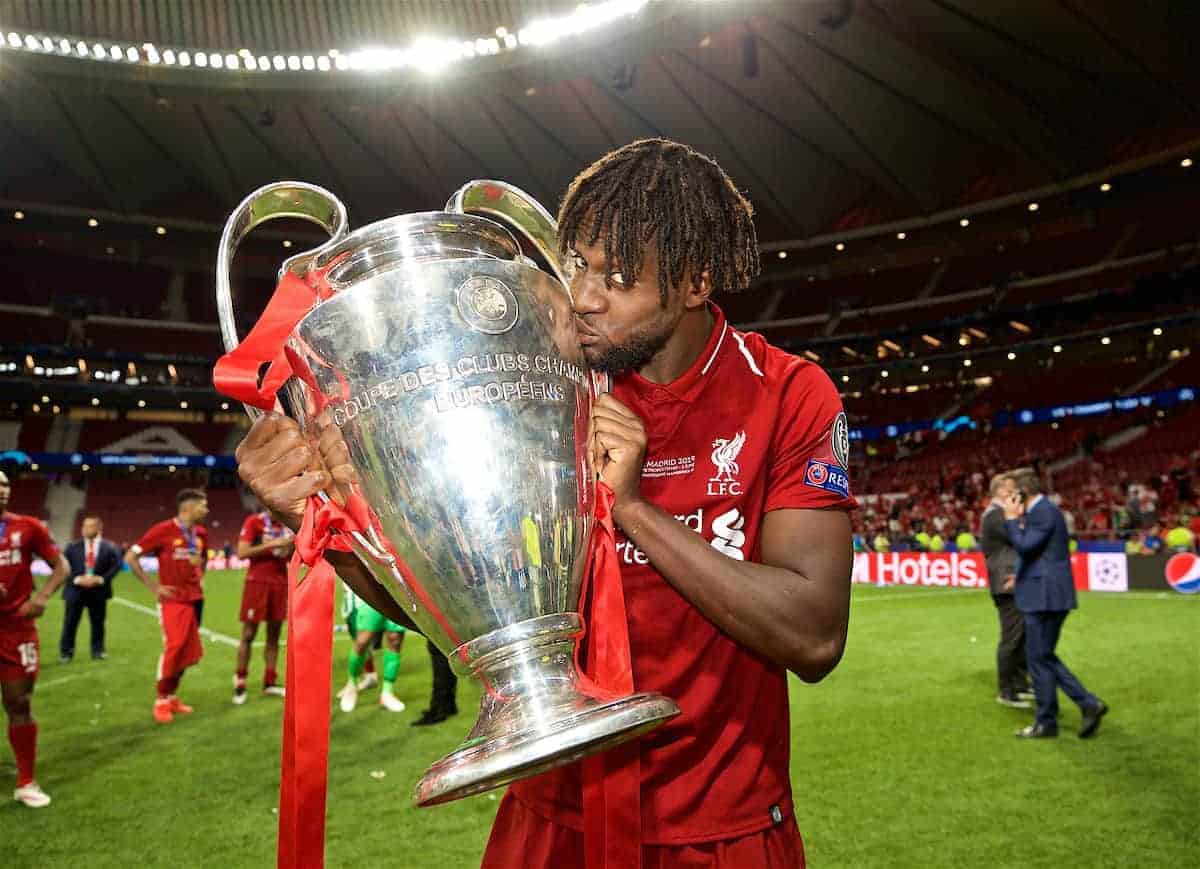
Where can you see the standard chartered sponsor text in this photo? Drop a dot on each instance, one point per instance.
(516, 376)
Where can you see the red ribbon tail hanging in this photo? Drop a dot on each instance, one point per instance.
(308, 684)
(612, 780)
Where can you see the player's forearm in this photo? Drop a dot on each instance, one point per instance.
(778, 613)
(360, 579)
(135, 567)
(57, 577)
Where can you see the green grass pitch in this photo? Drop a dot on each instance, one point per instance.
(901, 758)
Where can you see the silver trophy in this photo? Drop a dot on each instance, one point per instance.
(450, 363)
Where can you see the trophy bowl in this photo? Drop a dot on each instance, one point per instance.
(450, 364)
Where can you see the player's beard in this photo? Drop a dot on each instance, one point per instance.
(643, 344)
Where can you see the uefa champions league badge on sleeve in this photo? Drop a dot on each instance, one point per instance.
(827, 476)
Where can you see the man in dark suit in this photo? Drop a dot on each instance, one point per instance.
(1045, 593)
(94, 562)
(1012, 678)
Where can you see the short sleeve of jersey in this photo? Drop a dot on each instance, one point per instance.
(811, 451)
(43, 543)
(251, 529)
(152, 540)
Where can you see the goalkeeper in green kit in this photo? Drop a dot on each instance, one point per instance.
(365, 623)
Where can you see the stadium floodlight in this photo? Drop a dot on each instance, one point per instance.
(1105, 187)
(1033, 206)
(216, 61)
(160, 230)
(85, 467)
(1157, 331)
(64, 46)
(185, 59)
(95, 402)
(45, 398)
(183, 405)
(883, 373)
(224, 405)
(18, 215)
(845, 378)
(323, 63)
(1186, 163)
(964, 223)
(1011, 356)
(1058, 348)
(293, 63)
(114, 51)
(966, 363)
(287, 242)
(924, 369)
(141, 402)
(81, 48)
(168, 57)
(93, 222)
(782, 253)
(839, 246)
(308, 62)
(1106, 340)
(902, 235)
(131, 54)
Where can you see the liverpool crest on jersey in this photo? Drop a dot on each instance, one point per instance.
(724, 458)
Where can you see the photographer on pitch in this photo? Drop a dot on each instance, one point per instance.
(1011, 676)
(1045, 594)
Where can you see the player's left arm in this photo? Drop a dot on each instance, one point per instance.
(793, 608)
(59, 568)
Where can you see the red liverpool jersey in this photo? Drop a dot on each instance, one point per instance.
(267, 567)
(175, 545)
(21, 538)
(748, 429)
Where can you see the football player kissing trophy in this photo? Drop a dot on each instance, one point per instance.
(443, 345)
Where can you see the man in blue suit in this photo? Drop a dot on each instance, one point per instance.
(1045, 593)
(94, 562)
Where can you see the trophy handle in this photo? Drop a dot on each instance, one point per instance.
(283, 199)
(519, 212)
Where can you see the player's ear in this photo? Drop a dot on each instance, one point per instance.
(699, 288)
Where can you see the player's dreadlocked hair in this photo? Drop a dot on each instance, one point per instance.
(662, 190)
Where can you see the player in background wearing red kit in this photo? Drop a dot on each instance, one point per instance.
(268, 544)
(180, 544)
(21, 539)
(728, 461)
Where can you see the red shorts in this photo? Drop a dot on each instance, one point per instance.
(181, 636)
(263, 602)
(19, 654)
(523, 839)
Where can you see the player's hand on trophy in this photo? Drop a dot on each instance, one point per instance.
(281, 467)
(618, 440)
(335, 456)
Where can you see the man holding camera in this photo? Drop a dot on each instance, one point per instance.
(1045, 594)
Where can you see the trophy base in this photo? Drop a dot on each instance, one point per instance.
(495, 763)
(534, 714)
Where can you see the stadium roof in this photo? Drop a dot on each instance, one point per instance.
(832, 115)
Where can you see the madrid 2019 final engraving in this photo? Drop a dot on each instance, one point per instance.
(528, 383)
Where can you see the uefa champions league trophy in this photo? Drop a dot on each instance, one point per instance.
(450, 364)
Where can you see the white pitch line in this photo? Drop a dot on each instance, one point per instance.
(204, 632)
(58, 681)
(905, 595)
